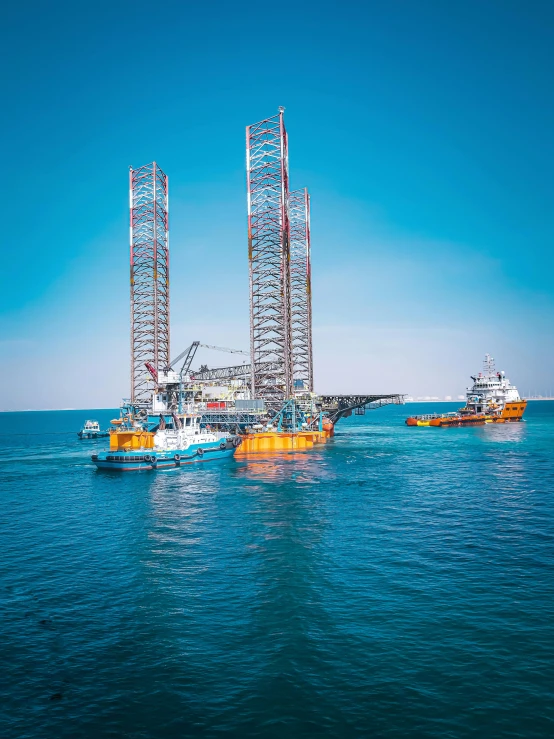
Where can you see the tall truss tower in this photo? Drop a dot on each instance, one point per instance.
(301, 290)
(149, 277)
(269, 260)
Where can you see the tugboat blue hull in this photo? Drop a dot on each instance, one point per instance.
(155, 460)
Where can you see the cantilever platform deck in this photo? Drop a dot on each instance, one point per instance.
(336, 407)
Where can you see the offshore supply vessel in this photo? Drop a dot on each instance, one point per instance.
(491, 399)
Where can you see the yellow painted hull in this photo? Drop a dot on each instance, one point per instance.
(268, 441)
(129, 440)
(275, 441)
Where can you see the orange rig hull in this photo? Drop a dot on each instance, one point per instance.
(510, 413)
(280, 441)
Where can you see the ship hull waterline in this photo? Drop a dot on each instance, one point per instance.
(456, 422)
(150, 459)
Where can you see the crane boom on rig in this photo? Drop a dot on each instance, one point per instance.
(225, 349)
(189, 353)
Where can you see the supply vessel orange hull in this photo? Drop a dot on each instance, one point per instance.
(509, 414)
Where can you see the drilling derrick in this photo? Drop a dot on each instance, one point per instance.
(301, 290)
(149, 278)
(269, 260)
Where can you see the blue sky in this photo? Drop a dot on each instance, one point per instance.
(422, 129)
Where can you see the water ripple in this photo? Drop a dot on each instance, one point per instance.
(397, 582)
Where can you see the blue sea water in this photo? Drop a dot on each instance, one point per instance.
(394, 583)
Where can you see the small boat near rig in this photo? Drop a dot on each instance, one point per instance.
(183, 441)
(491, 399)
(92, 430)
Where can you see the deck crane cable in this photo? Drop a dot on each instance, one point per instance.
(189, 353)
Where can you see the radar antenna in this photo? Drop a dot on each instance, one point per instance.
(488, 365)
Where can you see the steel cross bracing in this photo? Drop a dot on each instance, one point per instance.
(149, 278)
(233, 373)
(301, 290)
(269, 260)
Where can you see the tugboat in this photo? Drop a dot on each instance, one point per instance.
(491, 399)
(92, 430)
(185, 442)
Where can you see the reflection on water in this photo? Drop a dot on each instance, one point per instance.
(301, 466)
(506, 432)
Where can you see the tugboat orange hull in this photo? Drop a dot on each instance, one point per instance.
(510, 413)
